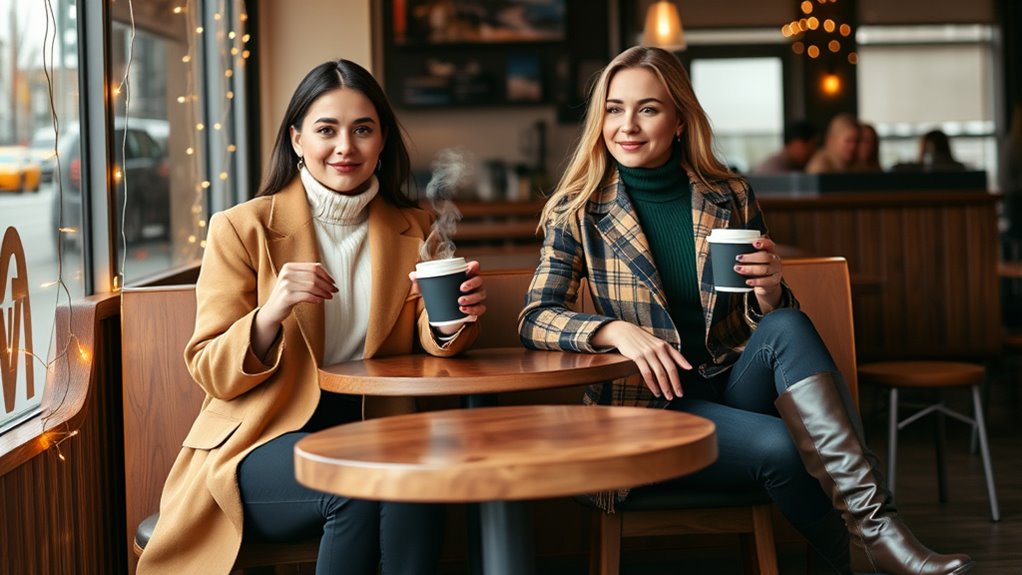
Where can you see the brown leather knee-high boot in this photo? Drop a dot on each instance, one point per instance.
(827, 432)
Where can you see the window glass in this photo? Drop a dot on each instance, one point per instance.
(916, 79)
(748, 124)
(40, 266)
(174, 68)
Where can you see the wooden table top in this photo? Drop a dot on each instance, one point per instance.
(504, 453)
(492, 370)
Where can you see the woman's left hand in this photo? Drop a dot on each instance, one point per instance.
(763, 269)
(473, 295)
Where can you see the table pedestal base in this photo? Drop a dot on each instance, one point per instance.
(507, 538)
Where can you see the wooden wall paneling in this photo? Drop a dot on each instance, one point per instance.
(922, 266)
(65, 516)
(154, 336)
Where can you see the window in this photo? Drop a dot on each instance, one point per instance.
(176, 67)
(748, 122)
(45, 267)
(920, 78)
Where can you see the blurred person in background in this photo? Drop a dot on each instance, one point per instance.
(839, 147)
(800, 142)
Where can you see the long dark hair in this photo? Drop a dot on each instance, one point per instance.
(395, 165)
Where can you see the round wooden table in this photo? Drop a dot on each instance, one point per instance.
(475, 372)
(502, 455)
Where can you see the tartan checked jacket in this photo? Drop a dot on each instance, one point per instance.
(604, 243)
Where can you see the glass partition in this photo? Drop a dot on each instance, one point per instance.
(41, 261)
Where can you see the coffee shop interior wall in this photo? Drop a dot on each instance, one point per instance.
(295, 40)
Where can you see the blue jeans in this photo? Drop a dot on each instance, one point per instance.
(753, 443)
(355, 533)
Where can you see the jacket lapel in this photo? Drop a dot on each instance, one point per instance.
(710, 209)
(291, 237)
(393, 255)
(621, 231)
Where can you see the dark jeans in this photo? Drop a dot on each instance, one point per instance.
(754, 446)
(356, 534)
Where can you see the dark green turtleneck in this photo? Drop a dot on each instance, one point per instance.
(662, 198)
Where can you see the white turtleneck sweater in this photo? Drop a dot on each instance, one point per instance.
(342, 231)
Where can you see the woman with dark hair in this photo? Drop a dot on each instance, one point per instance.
(316, 270)
(935, 153)
(632, 214)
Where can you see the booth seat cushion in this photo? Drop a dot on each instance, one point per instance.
(145, 530)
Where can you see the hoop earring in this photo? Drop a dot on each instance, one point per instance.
(379, 165)
(301, 163)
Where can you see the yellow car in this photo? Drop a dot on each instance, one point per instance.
(19, 172)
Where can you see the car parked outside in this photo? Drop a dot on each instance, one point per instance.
(146, 167)
(42, 151)
(18, 171)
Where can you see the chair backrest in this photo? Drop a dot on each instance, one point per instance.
(823, 289)
(822, 286)
(160, 399)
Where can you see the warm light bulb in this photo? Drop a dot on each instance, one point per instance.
(228, 72)
(231, 148)
(231, 34)
(186, 58)
(115, 89)
(200, 30)
(663, 26)
(178, 9)
(223, 175)
(831, 84)
(180, 99)
(189, 151)
(205, 184)
(191, 239)
(230, 94)
(200, 126)
(217, 126)
(246, 38)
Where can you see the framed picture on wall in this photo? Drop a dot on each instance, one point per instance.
(432, 22)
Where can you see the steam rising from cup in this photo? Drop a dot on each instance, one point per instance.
(449, 169)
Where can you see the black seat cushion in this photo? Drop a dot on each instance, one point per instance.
(145, 530)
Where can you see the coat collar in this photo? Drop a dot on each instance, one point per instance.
(394, 250)
(292, 237)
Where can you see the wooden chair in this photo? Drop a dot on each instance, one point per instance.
(160, 404)
(823, 288)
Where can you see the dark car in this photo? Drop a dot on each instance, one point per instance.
(145, 164)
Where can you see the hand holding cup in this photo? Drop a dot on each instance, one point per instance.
(452, 290)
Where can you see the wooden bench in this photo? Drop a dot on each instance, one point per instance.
(160, 403)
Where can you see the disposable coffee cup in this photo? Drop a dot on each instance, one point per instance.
(440, 283)
(725, 246)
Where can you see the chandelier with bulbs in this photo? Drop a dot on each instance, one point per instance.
(820, 33)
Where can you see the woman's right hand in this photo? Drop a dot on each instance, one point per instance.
(296, 283)
(658, 361)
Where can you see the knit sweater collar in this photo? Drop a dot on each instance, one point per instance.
(334, 207)
(660, 183)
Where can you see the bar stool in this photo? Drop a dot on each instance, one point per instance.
(936, 375)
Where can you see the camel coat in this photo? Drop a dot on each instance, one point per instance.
(249, 402)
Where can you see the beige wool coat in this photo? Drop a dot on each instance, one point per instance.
(249, 402)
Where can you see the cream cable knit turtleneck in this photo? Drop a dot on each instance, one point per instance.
(342, 231)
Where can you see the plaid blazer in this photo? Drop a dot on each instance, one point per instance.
(604, 243)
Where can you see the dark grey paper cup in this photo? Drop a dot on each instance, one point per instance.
(725, 245)
(440, 283)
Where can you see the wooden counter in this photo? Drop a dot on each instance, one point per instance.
(931, 257)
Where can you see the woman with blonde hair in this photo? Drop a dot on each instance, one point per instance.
(632, 213)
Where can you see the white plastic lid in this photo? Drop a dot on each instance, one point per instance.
(730, 236)
(434, 268)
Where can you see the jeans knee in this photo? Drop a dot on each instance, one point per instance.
(786, 320)
(364, 512)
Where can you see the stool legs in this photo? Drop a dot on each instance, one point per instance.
(978, 425)
(892, 440)
(984, 448)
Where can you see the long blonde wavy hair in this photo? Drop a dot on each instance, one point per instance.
(589, 164)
